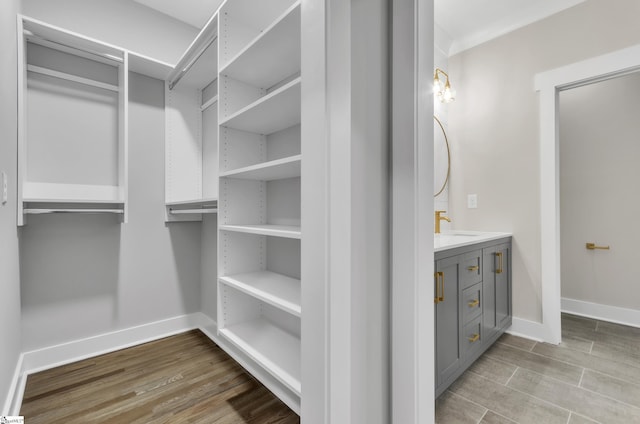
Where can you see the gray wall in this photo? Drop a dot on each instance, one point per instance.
(9, 271)
(493, 125)
(123, 23)
(83, 275)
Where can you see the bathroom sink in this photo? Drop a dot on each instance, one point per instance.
(452, 239)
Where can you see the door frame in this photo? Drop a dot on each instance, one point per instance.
(549, 84)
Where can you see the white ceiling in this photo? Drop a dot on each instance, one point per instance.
(193, 12)
(467, 23)
(462, 23)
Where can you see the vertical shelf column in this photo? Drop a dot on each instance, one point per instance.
(259, 221)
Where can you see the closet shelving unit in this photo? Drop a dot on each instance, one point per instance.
(191, 106)
(259, 220)
(72, 122)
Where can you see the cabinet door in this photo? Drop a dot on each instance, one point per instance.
(502, 259)
(496, 288)
(489, 318)
(447, 318)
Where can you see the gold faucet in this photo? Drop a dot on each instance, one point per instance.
(439, 218)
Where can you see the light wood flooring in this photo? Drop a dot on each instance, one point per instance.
(593, 376)
(180, 379)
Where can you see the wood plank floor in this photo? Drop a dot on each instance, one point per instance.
(180, 379)
(593, 376)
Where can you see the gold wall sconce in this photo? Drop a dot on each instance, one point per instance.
(443, 89)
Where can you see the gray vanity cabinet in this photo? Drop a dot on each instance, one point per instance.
(472, 295)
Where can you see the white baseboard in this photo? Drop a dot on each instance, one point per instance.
(528, 329)
(615, 314)
(77, 350)
(8, 408)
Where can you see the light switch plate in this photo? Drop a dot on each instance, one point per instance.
(472, 201)
(5, 188)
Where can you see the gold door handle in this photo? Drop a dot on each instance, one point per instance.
(474, 303)
(592, 246)
(439, 276)
(474, 338)
(499, 269)
(473, 268)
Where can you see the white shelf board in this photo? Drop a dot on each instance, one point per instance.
(272, 56)
(286, 231)
(204, 69)
(277, 351)
(146, 65)
(193, 202)
(278, 169)
(71, 193)
(71, 39)
(276, 111)
(275, 289)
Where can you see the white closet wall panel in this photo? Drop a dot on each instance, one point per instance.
(210, 152)
(283, 202)
(73, 132)
(183, 144)
(283, 256)
(284, 143)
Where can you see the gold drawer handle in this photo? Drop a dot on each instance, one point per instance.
(592, 246)
(474, 338)
(474, 303)
(499, 269)
(439, 276)
(473, 268)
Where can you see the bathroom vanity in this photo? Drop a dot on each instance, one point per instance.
(472, 295)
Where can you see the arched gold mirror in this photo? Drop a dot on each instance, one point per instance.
(441, 158)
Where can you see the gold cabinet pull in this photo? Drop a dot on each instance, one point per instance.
(499, 269)
(439, 276)
(473, 268)
(474, 303)
(474, 338)
(592, 246)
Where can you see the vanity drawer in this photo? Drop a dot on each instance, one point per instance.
(471, 337)
(471, 303)
(471, 268)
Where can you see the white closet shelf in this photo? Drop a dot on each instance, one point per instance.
(275, 289)
(276, 111)
(278, 169)
(71, 193)
(209, 103)
(286, 231)
(277, 351)
(37, 31)
(272, 56)
(194, 202)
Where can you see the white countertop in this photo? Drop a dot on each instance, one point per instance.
(453, 239)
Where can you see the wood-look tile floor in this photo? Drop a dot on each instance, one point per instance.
(593, 376)
(180, 379)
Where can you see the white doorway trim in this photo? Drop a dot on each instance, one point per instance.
(549, 84)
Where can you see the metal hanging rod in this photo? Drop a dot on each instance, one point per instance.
(35, 211)
(74, 78)
(192, 62)
(192, 211)
(34, 37)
